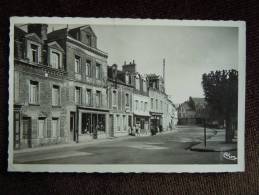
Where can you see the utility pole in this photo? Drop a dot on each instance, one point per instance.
(205, 139)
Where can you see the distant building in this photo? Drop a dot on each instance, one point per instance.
(191, 111)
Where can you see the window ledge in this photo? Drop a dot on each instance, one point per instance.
(32, 104)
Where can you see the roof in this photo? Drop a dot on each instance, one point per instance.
(19, 33)
(82, 28)
(57, 34)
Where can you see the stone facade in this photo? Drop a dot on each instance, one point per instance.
(120, 98)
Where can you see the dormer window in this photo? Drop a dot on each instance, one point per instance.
(35, 53)
(55, 60)
(144, 85)
(137, 82)
(127, 79)
(89, 40)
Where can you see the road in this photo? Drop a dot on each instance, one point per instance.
(167, 148)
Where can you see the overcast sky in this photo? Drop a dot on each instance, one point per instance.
(189, 52)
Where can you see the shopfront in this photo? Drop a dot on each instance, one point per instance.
(92, 123)
(141, 122)
(155, 121)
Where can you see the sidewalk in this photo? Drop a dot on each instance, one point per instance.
(215, 144)
(73, 144)
(84, 143)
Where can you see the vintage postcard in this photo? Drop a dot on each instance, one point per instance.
(126, 95)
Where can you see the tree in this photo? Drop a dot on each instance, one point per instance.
(221, 93)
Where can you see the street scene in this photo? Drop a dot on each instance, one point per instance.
(82, 97)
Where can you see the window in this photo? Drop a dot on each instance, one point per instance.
(161, 105)
(137, 83)
(98, 98)
(88, 68)
(145, 107)
(55, 60)
(34, 92)
(152, 103)
(124, 123)
(88, 97)
(118, 122)
(78, 95)
(127, 99)
(54, 127)
(41, 127)
(141, 106)
(114, 98)
(127, 79)
(89, 40)
(144, 85)
(136, 104)
(77, 64)
(35, 53)
(98, 71)
(55, 95)
(156, 104)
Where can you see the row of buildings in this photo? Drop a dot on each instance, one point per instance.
(65, 91)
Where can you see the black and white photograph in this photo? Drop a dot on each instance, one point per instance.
(126, 95)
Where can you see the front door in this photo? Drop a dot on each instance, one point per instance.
(27, 131)
(72, 126)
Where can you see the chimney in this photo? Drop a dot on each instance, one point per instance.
(40, 29)
(133, 62)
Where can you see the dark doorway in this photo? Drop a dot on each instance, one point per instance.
(72, 126)
(27, 131)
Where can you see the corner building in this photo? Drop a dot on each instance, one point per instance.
(60, 86)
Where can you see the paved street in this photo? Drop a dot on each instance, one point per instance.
(167, 148)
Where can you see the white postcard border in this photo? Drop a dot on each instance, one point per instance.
(137, 168)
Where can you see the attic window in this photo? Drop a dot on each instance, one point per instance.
(89, 40)
(34, 53)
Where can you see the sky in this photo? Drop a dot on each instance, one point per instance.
(188, 51)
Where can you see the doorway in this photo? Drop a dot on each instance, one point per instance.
(72, 126)
(27, 131)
